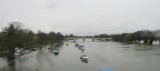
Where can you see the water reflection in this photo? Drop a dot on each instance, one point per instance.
(143, 47)
(82, 50)
(11, 59)
(10, 63)
(67, 44)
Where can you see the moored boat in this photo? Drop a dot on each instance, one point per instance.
(84, 58)
(56, 51)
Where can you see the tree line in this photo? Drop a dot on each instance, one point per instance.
(14, 35)
(146, 36)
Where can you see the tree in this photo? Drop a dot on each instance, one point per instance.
(12, 35)
(52, 37)
(59, 36)
(42, 38)
(71, 35)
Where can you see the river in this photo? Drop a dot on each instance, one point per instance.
(113, 55)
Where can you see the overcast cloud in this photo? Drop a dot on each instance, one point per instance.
(82, 17)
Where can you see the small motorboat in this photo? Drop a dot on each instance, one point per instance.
(84, 58)
(76, 45)
(81, 47)
(56, 51)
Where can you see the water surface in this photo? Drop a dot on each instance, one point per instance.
(114, 55)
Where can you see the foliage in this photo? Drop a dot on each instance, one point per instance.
(102, 36)
(135, 37)
(14, 36)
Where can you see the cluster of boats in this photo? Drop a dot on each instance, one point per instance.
(21, 51)
(83, 57)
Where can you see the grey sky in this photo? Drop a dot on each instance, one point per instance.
(82, 17)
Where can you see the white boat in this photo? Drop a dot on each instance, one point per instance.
(56, 51)
(84, 58)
